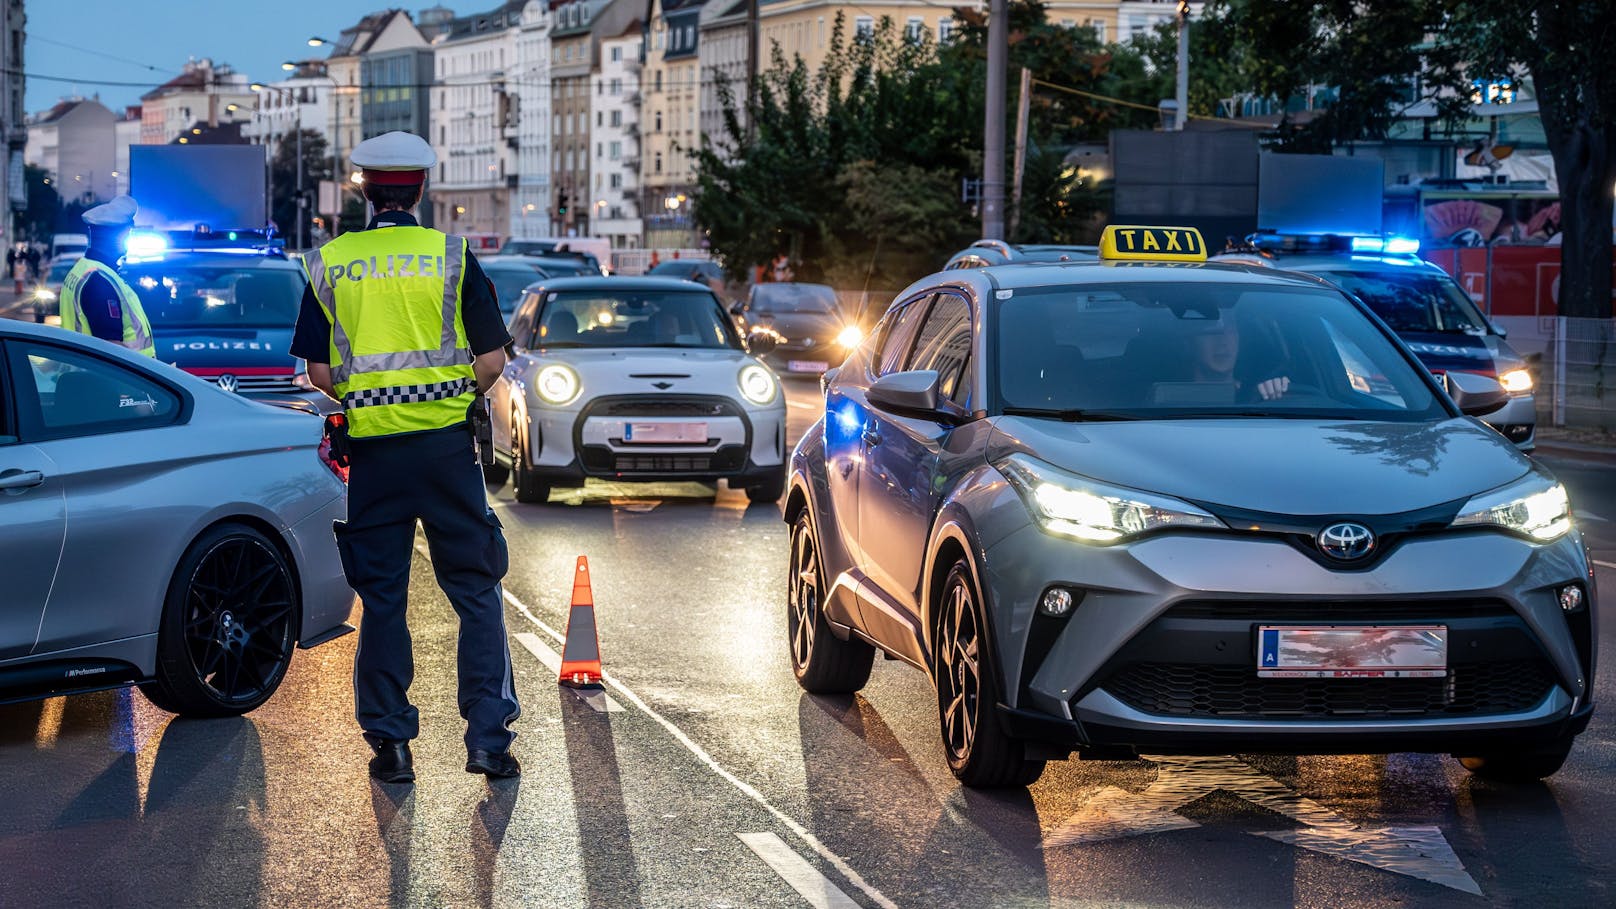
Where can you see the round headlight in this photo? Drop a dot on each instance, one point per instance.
(850, 337)
(757, 385)
(557, 384)
(44, 293)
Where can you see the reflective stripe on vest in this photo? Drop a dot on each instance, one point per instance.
(137, 335)
(400, 361)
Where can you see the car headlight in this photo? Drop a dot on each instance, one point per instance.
(44, 293)
(557, 384)
(757, 384)
(1516, 382)
(1535, 507)
(1077, 507)
(302, 380)
(850, 337)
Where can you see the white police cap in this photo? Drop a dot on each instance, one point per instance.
(395, 157)
(120, 212)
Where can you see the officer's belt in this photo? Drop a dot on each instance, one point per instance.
(408, 394)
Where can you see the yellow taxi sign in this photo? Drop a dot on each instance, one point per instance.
(1159, 244)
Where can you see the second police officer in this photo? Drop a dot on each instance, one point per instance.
(400, 325)
(95, 299)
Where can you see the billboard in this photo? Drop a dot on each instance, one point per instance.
(179, 187)
(1205, 179)
(1320, 194)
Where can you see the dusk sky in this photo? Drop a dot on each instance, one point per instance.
(147, 41)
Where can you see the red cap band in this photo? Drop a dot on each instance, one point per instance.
(395, 177)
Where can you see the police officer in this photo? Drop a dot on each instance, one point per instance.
(94, 299)
(399, 325)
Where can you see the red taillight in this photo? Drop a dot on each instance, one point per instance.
(336, 462)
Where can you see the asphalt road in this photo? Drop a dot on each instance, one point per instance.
(704, 777)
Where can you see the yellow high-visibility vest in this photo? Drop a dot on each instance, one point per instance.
(400, 360)
(137, 334)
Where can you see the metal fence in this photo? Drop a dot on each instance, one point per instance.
(1577, 375)
(638, 261)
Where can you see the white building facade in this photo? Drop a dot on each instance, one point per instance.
(73, 143)
(303, 100)
(470, 112)
(528, 91)
(615, 113)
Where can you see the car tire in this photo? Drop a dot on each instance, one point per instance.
(770, 489)
(495, 475)
(822, 662)
(1519, 766)
(228, 627)
(528, 488)
(980, 753)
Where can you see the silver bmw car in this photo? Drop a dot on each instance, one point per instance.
(1173, 507)
(155, 530)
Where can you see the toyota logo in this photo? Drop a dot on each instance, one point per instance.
(1346, 541)
(227, 382)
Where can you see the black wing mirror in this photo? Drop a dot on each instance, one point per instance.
(737, 308)
(1475, 395)
(914, 394)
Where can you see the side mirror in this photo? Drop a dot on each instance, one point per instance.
(914, 394)
(737, 308)
(759, 342)
(827, 377)
(1475, 395)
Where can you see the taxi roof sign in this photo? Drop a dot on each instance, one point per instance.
(1156, 244)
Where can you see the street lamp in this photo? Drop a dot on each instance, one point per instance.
(317, 41)
(288, 65)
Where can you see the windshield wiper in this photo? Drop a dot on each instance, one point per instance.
(1069, 414)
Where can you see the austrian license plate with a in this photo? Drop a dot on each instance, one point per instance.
(1352, 652)
(806, 366)
(665, 433)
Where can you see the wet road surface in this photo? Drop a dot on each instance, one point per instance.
(704, 777)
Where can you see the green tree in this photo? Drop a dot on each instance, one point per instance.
(283, 179)
(1564, 46)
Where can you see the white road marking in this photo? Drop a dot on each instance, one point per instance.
(804, 405)
(804, 878)
(799, 831)
(1112, 813)
(1605, 564)
(594, 697)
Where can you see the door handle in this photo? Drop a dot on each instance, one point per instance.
(871, 437)
(18, 480)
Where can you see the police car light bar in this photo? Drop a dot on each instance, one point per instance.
(1392, 246)
(145, 245)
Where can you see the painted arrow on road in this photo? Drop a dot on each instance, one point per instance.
(1113, 813)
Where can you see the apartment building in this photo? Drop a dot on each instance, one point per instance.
(614, 170)
(13, 117)
(723, 49)
(472, 188)
(203, 92)
(528, 93)
(670, 121)
(73, 143)
(575, 39)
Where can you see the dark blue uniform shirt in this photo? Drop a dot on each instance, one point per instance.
(99, 301)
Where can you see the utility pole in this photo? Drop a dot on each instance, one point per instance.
(1183, 93)
(993, 133)
(1023, 103)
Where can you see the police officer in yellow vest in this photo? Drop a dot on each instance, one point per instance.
(94, 299)
(401, 326)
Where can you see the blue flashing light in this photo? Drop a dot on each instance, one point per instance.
(145, 245)
(1368, 244)
(1405, 246)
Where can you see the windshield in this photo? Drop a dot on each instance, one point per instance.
(1414, 302)
(509, 282)
(651, 318)
(244, 296)
(1164, 351)
(526, 247)
(815, 298)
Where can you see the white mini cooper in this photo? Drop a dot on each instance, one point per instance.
(634, 379)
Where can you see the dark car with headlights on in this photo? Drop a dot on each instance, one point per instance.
(809, 329)
(1154, 505)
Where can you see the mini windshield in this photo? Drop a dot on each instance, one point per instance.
(1167, 351)
(208, 296)
(651, 318)
(814, 298)
(1414, 302)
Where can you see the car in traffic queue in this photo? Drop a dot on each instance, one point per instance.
(1156, 505)
(984, 253)
(511, 276)
(49, 287)
(1433, 315)
(634, 379)
(811, 333)
(701, 271)
(156, 531)
(222, 306)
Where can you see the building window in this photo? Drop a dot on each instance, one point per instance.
(945, 31)
(616, 150)
(914, 28)
(617, 85)
(617, 54)
(658, 81)
(1099, 28)
(617, 118)
(617, 180)
(864, 27)
(657, 167)
(658, 121)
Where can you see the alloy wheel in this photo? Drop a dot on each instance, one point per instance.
(238, 620)
(958, 669)
(803, 596)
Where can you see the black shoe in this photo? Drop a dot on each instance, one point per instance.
(494, 764)
(392, 763)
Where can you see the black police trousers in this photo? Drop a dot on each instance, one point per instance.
(433, 478)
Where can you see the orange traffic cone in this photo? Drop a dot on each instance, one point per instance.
(580, 655)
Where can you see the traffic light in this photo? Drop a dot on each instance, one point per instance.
(561, 203)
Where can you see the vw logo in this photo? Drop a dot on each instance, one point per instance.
(227, 382)
(1346, 541)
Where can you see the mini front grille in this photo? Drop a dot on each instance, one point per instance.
(1326, 611)
(1229, 692)
(664, 407)
(260, 383)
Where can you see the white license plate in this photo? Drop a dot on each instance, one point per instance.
(665, 433)
(806, 366)
(1352, 652)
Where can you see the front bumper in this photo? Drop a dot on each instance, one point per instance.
(1517, 421)
(1159, 653)
(743, 444)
